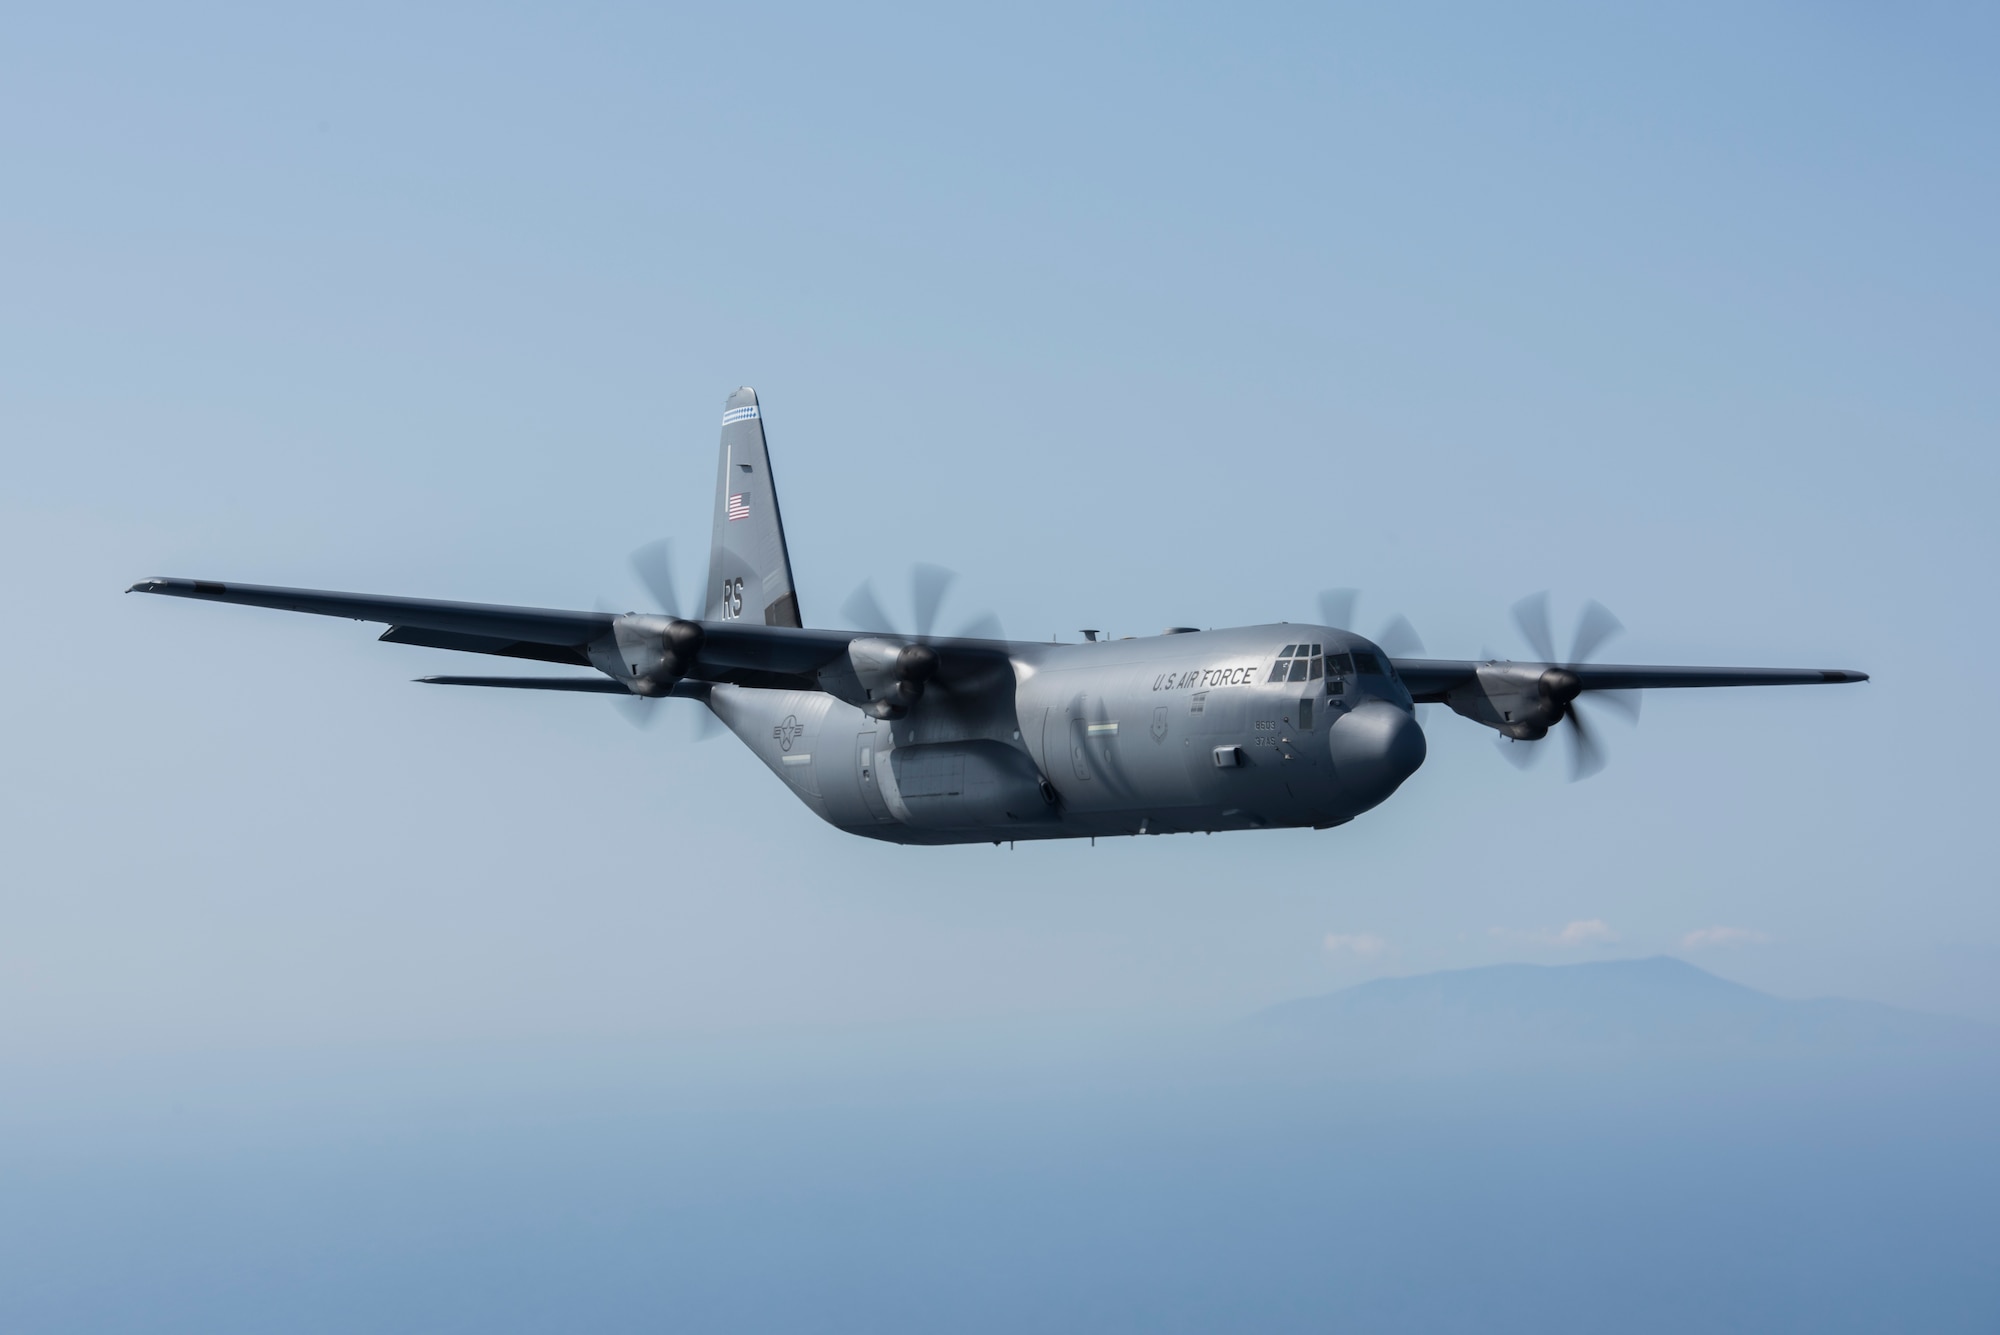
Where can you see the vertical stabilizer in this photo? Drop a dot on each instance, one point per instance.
(749, 570)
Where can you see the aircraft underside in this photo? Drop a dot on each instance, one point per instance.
(1066, 764)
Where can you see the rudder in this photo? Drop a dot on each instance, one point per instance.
(749, 570)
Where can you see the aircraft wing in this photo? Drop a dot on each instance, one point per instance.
(730, 650)
(736, 652)
(1431, 679)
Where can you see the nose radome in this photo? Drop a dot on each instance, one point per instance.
(1375, 747)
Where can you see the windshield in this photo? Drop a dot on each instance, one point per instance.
(1297, 662)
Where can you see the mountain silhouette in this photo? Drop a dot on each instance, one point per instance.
(1645, 1007)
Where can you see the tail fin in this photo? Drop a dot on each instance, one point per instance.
(749, 571)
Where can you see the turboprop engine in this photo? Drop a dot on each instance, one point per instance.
(1518, 700)
(1522, 701)
(880, 675)
(647, 653)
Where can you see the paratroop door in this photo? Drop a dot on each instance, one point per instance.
(866, 764)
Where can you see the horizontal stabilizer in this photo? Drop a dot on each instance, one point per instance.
(682, 690)
(485, 644)
(594, 685)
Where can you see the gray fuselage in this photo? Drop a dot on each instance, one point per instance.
(1166, 734)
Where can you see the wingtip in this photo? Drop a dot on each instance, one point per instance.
(185, 588)
(1843, 675)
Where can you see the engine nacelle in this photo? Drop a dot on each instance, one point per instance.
(1519, 700)
(647, 653)
(880, 676)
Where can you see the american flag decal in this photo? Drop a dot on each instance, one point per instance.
(738, 508)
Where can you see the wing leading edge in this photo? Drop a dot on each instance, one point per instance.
(479, 621)
(737, 652)
(1431, 679)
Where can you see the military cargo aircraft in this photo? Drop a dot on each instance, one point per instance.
(918, 738)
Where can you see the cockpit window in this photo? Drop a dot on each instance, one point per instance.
(1368, 665)
(1302, 662)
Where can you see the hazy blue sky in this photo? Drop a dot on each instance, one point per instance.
(1135, 316)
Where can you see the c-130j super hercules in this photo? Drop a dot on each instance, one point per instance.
(922, 739)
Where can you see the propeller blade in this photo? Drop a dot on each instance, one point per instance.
(1531, 614)
(928, 585)
(1586, 753)
(1593, 628)
(985, 626)
(654, 564)
(1336, 607)
(1619, 702)
(864, 610)
(1399, 639)
(637, 710)
(1521, 755)
(706, 725)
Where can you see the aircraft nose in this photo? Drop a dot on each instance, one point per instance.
(1375, 747)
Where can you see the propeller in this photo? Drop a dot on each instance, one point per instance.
(917, 662)
(928, 586)
(1594, 625)
(638, 710)
(654, 565)
(865, 610)
(1398, 638)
